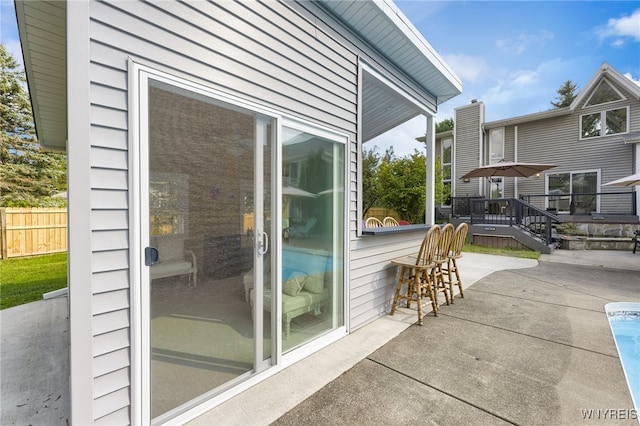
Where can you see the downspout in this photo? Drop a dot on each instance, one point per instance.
(637, 189)
(481, 184)
(515, 158)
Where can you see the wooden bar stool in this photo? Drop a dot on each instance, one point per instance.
(416, 272)
(455, 253)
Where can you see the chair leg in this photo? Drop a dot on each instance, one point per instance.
(396, 296)
(450, 282)
(458, 280)
(419, 296)
(427, 287)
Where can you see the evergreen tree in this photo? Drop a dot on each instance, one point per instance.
(566, 94)
(445, 125)
(29, 175)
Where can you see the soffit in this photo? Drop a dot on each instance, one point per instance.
(42, 28)
(383, 108)
(386, 29)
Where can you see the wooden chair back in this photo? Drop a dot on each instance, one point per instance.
(374, 222)
(429, 246)
(390, 221)
(446, 238)
(459, 238)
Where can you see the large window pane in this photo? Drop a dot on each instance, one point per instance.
(590, 125)
(559, 191)
(616, 121)
(583, 189)
(496, 145)
(202, 217)
(313, 237)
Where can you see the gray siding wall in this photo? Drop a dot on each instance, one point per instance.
(372, 278)
(468, 134)
(262, 52)
(556, 140)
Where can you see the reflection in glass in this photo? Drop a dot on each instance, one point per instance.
(616, 121)
(313, 237)
(202, 156)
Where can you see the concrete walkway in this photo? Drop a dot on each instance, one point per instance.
(34, 364)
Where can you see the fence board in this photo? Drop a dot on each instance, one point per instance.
(33, 231)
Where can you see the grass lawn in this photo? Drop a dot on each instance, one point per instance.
(26, 279)
(525, 254)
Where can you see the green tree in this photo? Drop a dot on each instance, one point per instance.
(403, 185)
(29, 175)
(566, 94)
(445, 125)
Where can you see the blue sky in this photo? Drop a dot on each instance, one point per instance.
(512, 55)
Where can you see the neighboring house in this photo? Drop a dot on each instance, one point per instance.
(593, 141)
(183, 122)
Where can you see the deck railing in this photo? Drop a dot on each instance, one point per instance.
(603, 203)
(505, 211)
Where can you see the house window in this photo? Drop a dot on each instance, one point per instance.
(496, 145)
(445, 159)
(573, 192)
(615, 121)
(603, 94)
(611, 121)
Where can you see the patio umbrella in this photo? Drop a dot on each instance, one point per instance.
(508, 169)
(632, 180)
(297, 192)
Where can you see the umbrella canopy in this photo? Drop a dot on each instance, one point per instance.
(508, 169)
(297, 192)
(625, 181)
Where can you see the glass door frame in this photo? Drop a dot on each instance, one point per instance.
(140, 371)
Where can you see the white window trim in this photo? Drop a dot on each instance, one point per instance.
(598, 173)
(603, 123)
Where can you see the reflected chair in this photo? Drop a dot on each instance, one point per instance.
(390, 221)
(303, 231)
(374, 222)
(455, 252)
(173, 258)
(416, 273)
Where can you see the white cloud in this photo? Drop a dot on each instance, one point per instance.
(626, 26)
(402, 138)
(469, 68)
(522, 42)
(630, 77)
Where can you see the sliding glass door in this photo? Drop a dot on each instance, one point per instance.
(209, 182)
(242, 242)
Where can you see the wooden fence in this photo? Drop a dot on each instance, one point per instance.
(32, 231)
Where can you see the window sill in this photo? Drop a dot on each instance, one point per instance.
(392, 230)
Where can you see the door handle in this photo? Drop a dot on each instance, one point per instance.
(150, 256)
(264, 244)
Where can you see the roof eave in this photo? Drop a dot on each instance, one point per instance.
(558, 112)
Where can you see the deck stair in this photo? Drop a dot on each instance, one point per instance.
(508, 218)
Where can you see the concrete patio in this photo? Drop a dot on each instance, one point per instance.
(529, 344)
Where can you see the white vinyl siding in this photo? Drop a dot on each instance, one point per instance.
(295, 58)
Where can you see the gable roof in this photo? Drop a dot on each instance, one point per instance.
(605, 71)
(42, 27)
(608, 72)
